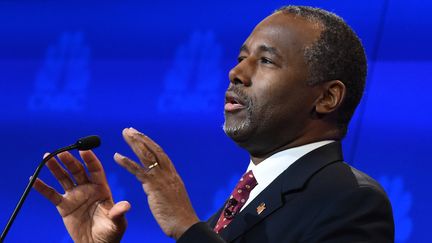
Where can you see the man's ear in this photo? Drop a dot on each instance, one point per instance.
(332, 96)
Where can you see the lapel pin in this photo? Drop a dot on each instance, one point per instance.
(261, 208)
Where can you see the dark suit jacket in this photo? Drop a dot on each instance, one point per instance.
(319, 198)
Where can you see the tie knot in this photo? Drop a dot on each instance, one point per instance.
(247, 182)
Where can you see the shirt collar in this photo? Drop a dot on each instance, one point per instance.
(270, 168)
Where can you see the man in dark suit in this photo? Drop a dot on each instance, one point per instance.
(318, 199)
(299, 78)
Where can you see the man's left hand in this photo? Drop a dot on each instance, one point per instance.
(166, 193)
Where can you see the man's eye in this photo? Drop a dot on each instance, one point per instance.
(239, 59)
(266, 60)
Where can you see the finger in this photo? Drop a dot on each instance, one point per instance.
(94, 166)
(161, 157)
(135, 140)
(119, 210)
(153, 146)
(133, 168)
(48, 192)
(59, 173)
(155, 150)
(75, 167)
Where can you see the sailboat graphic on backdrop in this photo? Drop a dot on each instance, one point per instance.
(61, 83)
(193, 83)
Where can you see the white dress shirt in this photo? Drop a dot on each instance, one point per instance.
(269, 169)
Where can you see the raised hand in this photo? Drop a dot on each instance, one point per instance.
(87, 206)
(166, 194)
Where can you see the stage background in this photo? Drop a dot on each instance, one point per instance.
(68, 70)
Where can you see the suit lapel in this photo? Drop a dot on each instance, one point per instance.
(213, 219)
(292, 179)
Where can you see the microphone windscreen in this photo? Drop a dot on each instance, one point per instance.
(89, 142)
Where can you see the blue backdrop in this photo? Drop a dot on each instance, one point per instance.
(72, 69)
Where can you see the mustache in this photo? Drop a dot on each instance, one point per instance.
(247, 101)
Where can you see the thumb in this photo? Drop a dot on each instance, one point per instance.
(119, 210)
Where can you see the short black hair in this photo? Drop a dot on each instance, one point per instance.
(338, 54)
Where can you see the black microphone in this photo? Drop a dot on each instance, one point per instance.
(85, 143)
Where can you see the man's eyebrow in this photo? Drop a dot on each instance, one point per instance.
(269, 49)
(263, 48)
(244, 48)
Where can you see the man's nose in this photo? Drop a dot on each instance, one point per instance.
(241, 74)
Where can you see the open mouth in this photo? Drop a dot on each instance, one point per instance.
(233, 103)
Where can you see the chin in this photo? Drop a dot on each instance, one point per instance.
(239, 132)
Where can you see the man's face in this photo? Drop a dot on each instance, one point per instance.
(268, 101)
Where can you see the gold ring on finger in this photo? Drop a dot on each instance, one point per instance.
(152, 166)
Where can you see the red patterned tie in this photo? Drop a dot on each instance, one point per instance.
(236, 201)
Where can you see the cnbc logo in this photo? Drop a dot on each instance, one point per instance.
(62, 81)
(194, 80)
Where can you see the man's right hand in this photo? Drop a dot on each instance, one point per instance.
(87, 206)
